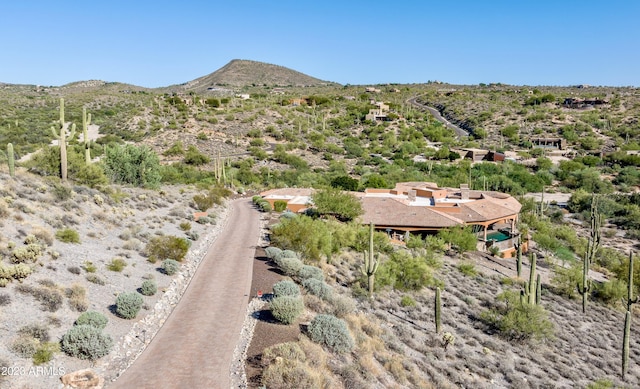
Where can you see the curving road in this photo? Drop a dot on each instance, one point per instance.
(459, 131)
(194, 348)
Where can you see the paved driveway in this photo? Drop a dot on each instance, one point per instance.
(194, 347)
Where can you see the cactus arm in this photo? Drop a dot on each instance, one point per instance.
(11, 160)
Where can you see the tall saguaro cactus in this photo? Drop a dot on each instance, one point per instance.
(627, 318)
(532, 289)
(438, 310)
(519, 257)
(370, 263)
(61, 134)
(86, 122)
(11, 160)
(592, 247)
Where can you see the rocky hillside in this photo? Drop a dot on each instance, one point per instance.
(239, 73)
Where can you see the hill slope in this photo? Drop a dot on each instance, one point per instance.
(238, 73)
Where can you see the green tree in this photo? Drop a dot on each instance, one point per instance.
(309, 237)
(459, 238)
(135, 165)
(334, 202)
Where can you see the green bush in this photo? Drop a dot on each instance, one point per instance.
(68, 235)
(170, 266)
(92, 318)
(203, 202)
(131, 164)
(28, 253)
(407, 301)
(286, 309)
(286, 288)
(86, 342)
(149, 288)
(317, 288)
(290, 266)
(611, 291)
(279, 205)
(516, 321)
(468, 269)
(128, 304)
(271, 252)
(308, 272)
(404, 271)
(264, 206)
(45, 352)
(332, 332)
(285, 254)
(167, 247)
(117, 264)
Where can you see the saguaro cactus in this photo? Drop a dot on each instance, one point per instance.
(86, 122)
(370, 263)
(531, 289)
(11, 160)
(519, 258)
(61, 134)
(592, 247)
(627, 318)
(438, 309)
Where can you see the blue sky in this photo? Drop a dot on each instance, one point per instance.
(160, 43)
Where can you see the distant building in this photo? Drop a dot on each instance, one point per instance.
(549, 143)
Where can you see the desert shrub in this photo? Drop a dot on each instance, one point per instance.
(170, 266)
(24, 346)
(74, 270)
(86, 342)
(286, 288)
(611, 291)
(96, 279)
(271, 252)
(131, 164)
(203, 202)
(309, 271)
(28, 253)
(285, 254)
(117, 264)
(89, 267)
(407, 301)
(68, 235)
(317, 288)
(468, 269)
(185, 226)
(92, 318)
(128, 304)
(167, 247)
(404, 271)
(516, 321)
(78, 304)
(20, 271)
(342, 305)
(286, 309)
(264, 206)
(45, 352)
(50, 299)
(5, 299)
(279, 205)
(149, 288)
(43, 236)
(332, 332)
(36, 331)
(290, 373)
(289, 350)
(290, 266)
